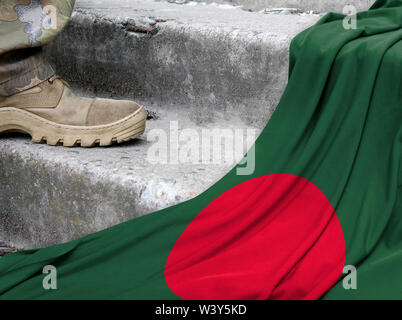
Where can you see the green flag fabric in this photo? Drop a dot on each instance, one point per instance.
(326, 193)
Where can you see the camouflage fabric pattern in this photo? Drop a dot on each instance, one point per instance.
(25, 27)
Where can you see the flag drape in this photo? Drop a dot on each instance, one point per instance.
(326, 192)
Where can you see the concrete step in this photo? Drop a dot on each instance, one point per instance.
(51, 194)
(196, 68)
(303, 5)
(206, 57)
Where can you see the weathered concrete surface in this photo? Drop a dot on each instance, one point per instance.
(206, 67)
(51, 194)
(5, 249)
(305, 5)
(205, 57)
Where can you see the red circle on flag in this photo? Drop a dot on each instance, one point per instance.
(272, 237)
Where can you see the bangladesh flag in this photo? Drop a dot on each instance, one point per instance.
(326, 194)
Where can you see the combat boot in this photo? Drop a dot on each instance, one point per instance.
(51, 113)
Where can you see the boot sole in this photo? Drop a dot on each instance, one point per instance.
(42, 130)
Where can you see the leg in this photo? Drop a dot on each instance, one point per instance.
(26, 26)
(35, 101)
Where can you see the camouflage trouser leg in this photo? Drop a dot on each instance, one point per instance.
(26, 26)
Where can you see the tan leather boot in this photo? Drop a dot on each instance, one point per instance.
(51, 112)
